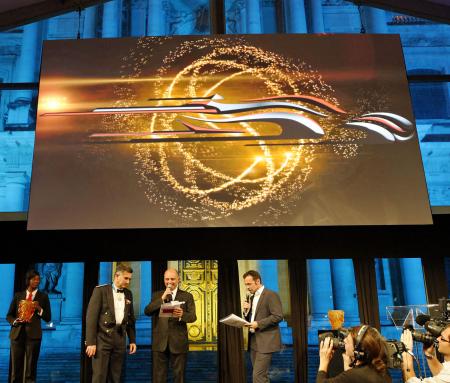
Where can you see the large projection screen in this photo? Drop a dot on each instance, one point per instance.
(220, 131)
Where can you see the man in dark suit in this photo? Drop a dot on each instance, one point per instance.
(109, 318)
(263, 311)
(26, 336)
(170, 337)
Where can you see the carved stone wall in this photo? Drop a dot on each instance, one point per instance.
(200, 279)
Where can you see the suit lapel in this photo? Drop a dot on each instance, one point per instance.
(110, 300)
(126, 307)
(179, 296)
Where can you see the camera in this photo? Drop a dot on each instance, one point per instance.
(337, 337)
(434, 323)
(423, 337)
(394, 348)
(394, 351)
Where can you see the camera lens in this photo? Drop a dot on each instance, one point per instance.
(423, 337)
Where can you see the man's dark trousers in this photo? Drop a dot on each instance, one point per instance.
(108, 360)
(177, 365)
(19, 347)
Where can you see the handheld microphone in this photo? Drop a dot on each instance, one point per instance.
(169, 296)
(248, 296)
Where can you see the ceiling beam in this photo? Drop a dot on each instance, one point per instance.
(41, 10)
(437, 10)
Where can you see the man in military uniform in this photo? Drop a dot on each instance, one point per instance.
(109, 319)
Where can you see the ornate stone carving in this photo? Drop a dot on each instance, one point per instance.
(200, 279)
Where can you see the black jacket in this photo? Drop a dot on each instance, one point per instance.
(101, 317)
(269, 314)
(171, 331)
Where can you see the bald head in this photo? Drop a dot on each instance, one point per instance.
(171, 278)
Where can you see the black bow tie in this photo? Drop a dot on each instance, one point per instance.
(120, 291)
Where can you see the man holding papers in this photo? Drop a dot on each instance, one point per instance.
(171, 309)
(262, 309)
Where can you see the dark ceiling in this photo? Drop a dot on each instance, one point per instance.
(18, 12)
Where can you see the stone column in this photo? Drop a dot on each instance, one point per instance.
(285, 296)
(284, 289)
(143, 322)
(90, 18)
(241, 22)
(253, 13)
(412, 280)
(384, 289)
(105, 273)
(112, 19)
(7, 271)
(138, 17)
(155, 18)
(73, 291)
(296, 16)
(3, 204)
(25, 71)
(344, 290)
(268, 268)
(15, 190)
(321, 291)
(375, 20)
(146, 285)
(316, 16)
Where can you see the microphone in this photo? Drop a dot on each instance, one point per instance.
(248, 296)
(169, 296)
(421, 319)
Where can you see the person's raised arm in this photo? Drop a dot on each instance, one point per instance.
(154, 305)
(433, 363)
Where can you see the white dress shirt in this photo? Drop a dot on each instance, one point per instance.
(255, 303)
(174, 293)
(119, 304)
(442, 377)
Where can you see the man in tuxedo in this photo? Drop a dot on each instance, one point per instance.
(26, 336)
(170, 337)
(263, 311)
(109, 319)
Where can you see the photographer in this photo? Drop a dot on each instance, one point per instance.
(440, 371)
(364, 358)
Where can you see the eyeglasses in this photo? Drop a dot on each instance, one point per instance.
(444, 340)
